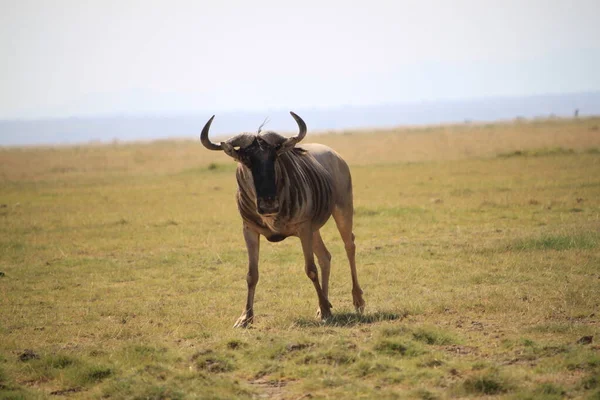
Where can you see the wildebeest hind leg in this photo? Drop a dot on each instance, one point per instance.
(324, 258)
(343, 219)
(306, 238)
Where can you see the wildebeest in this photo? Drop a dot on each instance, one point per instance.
(286, 189)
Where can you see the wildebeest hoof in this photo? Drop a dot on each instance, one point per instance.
(323, 316)
(244, 321)
(360, 307)
(357, 300)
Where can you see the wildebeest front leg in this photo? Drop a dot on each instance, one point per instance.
(252, 245)
(306, 238)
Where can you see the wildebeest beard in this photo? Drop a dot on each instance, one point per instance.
(301, 186)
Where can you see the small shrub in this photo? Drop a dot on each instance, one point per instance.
(389, 347)
(366, 368)
(96, 374)
(548, 388)
(425, 394)
(160, 393)
(431, 363)
(28, 355)
(527, 342)
(332, 357)
(432, 337)
(486, 384)
(395, 331)
(551, 151)
(515, 153)
(479, 366)
(60, 361)
(214, 363)
(392, 347)
(235, 344)
(591, 363)
(267, 369)
(298, 346)
(591, 382)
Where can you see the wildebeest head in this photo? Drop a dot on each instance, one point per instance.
(258, 152)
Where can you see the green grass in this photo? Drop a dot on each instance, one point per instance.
(122, 271)
(559, 242)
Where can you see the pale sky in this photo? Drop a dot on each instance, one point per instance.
(75, 57)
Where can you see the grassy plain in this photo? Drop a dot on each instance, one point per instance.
(122, 271)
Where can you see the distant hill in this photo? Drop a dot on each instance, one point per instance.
(142, 127)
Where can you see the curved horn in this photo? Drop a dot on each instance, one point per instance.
(301, 126)
(291, 142)
(204, 137)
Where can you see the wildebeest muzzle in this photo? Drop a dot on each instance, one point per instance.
(267, 205)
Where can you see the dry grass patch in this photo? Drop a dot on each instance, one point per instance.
(122, 271)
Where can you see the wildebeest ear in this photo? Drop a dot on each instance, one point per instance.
(286, 146)
(230, 150)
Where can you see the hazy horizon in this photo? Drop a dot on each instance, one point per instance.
(78, 130)
(183, 112)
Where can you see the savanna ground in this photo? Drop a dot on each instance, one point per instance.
(122, 271)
